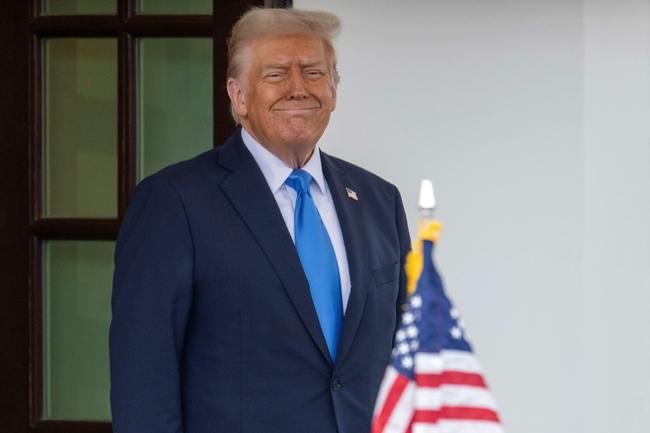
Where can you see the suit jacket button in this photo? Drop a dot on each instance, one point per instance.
(336, 385)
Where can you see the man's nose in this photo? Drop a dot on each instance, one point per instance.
(297, 88)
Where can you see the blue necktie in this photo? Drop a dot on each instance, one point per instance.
(318, 260)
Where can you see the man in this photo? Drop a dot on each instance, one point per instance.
(258, 286)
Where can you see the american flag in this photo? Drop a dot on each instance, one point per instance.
(434, 383)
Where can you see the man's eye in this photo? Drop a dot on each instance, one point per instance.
(314, 74)
(273, 76)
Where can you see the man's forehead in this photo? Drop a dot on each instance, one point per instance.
(289, 47)
(286, 61)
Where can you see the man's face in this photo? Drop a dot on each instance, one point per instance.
(286, 93)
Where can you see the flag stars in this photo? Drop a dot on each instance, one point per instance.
(414, 345)
(400, 335)
(456, 332)
(412, 331)
(416, 301)
(407, 362)
(403, 348)
(407, 318)
(454, 313)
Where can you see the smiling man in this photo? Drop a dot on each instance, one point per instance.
(257, 286)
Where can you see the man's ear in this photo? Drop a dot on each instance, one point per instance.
(333, 90)
(237, 96)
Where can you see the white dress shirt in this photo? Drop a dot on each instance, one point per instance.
(275, 172)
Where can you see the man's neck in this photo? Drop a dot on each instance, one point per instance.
(293, 156)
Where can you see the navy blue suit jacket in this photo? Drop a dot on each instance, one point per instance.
(214, 329)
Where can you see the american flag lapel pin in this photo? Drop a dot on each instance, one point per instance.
(351, 194)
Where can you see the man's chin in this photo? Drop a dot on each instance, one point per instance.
(296, 141)
(304, 125)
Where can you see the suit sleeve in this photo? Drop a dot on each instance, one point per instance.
(152, 294)
(404, 248)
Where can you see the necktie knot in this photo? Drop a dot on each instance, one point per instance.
(299, 180)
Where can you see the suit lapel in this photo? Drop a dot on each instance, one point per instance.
(249, 193)
(351, 218)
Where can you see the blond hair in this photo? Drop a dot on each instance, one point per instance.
(260, 22)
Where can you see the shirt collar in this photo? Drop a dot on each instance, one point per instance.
(275, 171)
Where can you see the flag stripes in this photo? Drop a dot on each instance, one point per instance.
(462, 413)
(400, 403)
(450, 378)
(444, 426)
(456, 360)
(453, 395)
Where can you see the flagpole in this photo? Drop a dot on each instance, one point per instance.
(426, 203)
(428, 229)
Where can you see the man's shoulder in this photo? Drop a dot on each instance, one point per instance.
(206, 168)
(201, 169)
(358, 174)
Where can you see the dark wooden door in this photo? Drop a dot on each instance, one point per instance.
(27, 230)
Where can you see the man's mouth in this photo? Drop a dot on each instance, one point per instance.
(296, 109)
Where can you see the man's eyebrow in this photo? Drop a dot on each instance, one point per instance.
(313, 63)
(276, 66)
(285, 65)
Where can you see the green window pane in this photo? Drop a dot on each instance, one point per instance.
(80, 127)
(174, 101)
(79, 7)
(176, 7)
(76, 316)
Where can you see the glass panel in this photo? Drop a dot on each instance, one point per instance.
(174, 101)
(76, 316)
(175, 7)
(80, 127)
(79, 7)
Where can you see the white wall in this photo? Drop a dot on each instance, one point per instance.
(616, 253)
(532, 119)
